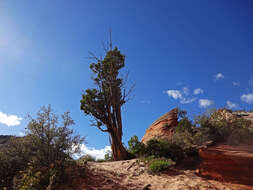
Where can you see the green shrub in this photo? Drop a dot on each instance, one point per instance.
(160, 165)
(48, 144)
(184, 125)
(14, 157)
(108, 156)
(217, 128)
(135, 146)
(162, 148)
(87, 158)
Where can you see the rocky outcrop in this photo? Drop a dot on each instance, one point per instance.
(162, 128)
(245, 115)
(228, 163)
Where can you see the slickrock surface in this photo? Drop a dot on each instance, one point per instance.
(228, 163)
(163, 127)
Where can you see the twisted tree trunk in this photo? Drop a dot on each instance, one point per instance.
(118, 150)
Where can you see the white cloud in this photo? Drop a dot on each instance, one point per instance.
(236, 83)
(186, 90)
(198, 91)
(231, 105)
(9, 120)
(175, 94)
(219, 76)
(248, 98)
(95, 153)
(187, 101)
(21, 134)
(205, 103)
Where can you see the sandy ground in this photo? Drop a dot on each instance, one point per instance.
(132, 175)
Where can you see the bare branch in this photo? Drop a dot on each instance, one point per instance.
(95, 124)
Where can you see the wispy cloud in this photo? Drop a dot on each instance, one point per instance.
(198, 91)
(9, 120)
(231, 105)
(175, 94)
(187, 101)
(95, 153)
(178, 95)
(219, 76)
(186, 91)
(204, 103)
(248, 98)
(236, 84)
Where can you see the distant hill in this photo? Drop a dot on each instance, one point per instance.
(4, 139)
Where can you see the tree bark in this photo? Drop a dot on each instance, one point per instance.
(118, 150)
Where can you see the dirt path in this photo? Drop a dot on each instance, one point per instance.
(132, 175)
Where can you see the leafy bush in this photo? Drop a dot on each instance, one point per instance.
(86, 158)
(51, 141)
(160, 165)
(184, 125)
(48, 145)
(162, 148)
(108, 156)
(135, 146)
(13, 158)
(218, 128)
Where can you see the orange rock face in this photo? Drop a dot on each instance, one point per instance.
(228, 163)
(162, 128)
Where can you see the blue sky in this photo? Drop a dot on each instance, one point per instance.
(172, 48)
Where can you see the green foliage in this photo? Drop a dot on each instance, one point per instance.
(108, 156)
(13, 158)
(162, 148)
(103, 103)
(107, 96)
(156, 148)
(86, 158)
(48, 145)
(135, 146)
(184, 125)
(51, 140)
(160, 165)
(217, 128)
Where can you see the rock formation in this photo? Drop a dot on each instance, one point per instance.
(162, 128)
(245, 115)
(228, 163)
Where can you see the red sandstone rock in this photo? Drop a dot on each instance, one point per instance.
(228, 163)
(162, 128)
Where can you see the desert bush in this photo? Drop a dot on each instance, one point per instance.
(51, 140)
(184, 125)
(218, 128)
(108, 156)
(13, 158)
(135, 146)
(160, 165)
(163, 148)
(87, 158)
(47, 145)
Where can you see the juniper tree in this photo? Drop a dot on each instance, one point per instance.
(103, 103)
